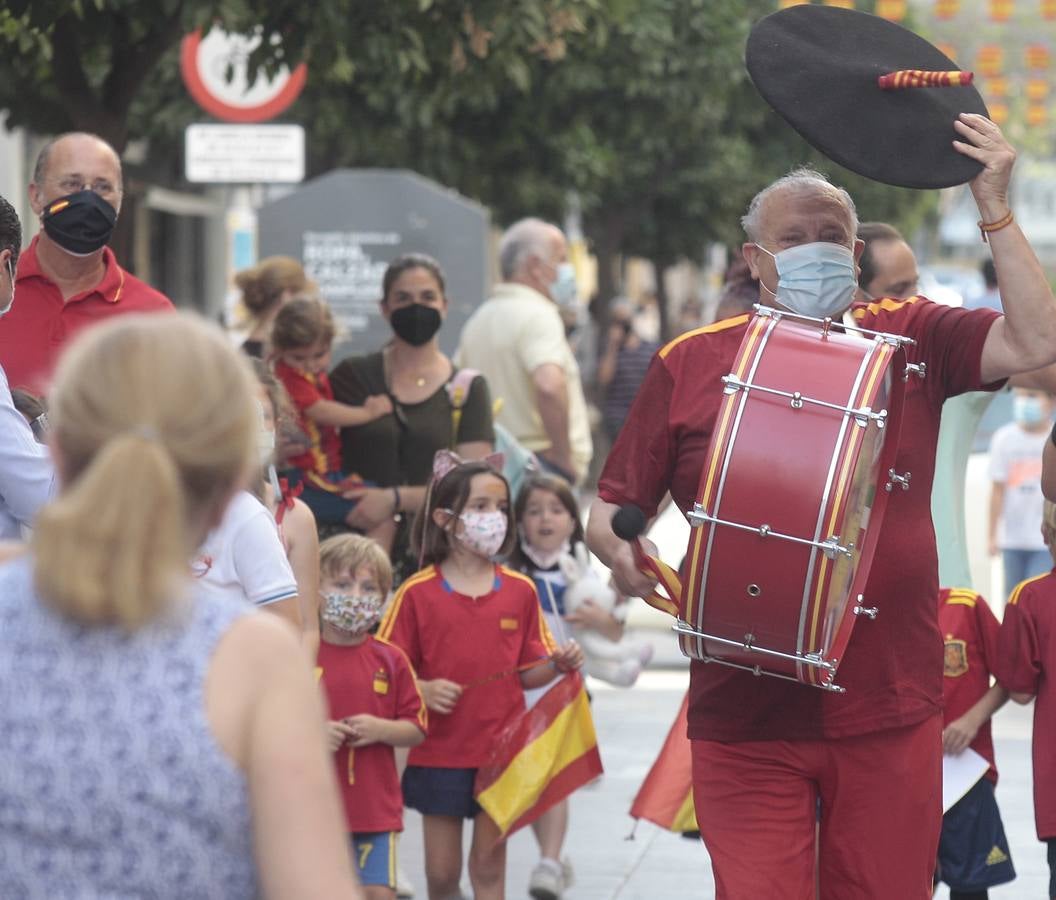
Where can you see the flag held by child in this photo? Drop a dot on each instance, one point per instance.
(666, 796)
(543, 756)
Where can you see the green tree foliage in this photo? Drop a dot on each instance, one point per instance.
(642, 108)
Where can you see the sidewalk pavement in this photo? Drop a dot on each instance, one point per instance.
(656, 864)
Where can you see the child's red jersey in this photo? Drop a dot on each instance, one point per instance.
(1026, 664)
(324, 454)
(375, 678)
(969, 633)
(468, 640)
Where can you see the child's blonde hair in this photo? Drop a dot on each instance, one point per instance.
(153, 424)
(302, 322)
(344, 553)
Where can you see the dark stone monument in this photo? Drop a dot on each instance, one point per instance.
(348, 225)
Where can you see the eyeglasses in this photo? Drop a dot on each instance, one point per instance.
(72, 185)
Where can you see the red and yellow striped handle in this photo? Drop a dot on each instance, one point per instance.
(913, 78)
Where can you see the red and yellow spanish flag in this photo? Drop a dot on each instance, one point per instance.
(990, 59)
(995, 87)
(1037, 56)
(892, 10)
(948, 49)
(1037, 89)
(947, 9)
(1048, 9)
(1001, 10)
(666, 796)
(541, 758)
(1037, 114)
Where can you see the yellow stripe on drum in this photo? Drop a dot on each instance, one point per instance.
(718, 440)
(879, 365)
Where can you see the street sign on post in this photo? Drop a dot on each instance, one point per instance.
(244, 154)
(216, 72)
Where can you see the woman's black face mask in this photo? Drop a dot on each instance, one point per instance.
(415, 323)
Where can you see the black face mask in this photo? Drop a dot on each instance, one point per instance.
(80, 223)
(416, 324)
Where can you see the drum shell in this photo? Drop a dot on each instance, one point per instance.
(801, 470)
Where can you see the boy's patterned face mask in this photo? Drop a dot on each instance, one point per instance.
(354, 613)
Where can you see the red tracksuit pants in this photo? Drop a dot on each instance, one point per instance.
(881, 813)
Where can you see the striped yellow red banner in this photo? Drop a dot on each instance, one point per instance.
(1036, 114)
(990, 60)
(998, 112)
(995, 87)
(947, 9)
(1037, 89)
(947, 49)
(892, 10)
(542, 757)
(1001, 10)
(1037, 56)
(1048, 9)
(666, 796)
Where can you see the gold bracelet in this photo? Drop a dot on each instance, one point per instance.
(986, 227)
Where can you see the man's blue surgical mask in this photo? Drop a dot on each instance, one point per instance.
(816, 279)
(1027, 410)
(563, 287)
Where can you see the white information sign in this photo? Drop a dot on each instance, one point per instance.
(244, 154)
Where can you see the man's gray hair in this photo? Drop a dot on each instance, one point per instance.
(521, 241)
(802, 180)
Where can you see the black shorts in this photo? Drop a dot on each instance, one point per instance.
(440, 792)
(973, 851)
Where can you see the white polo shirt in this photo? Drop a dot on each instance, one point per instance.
(27, 477)
(244, 557)
(513, 333)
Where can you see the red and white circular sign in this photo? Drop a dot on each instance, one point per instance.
(207, 63)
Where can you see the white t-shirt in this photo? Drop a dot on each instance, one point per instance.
(243, 556)
(1015, 461)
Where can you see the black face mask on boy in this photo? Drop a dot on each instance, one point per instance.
(80, 223)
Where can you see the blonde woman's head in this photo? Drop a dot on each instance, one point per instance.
(153, 426)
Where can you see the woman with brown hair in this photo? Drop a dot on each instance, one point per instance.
(153, 742)
(265, 288)
(395, 452)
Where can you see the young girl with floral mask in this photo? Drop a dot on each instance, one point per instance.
(473, 631)
(374, 701)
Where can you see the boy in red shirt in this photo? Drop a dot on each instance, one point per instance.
(374, 703)
(1026, 663)
(973, 850)
(300, 348)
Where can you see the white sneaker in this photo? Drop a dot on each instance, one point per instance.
(404, 888)
(548, 880)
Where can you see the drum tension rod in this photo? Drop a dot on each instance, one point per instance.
(830, 547)
(894, 478)
(862, 415)
(918, 369)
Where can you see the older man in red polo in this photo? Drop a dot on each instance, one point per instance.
(68, 278)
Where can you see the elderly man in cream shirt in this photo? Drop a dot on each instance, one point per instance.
(517, 339)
